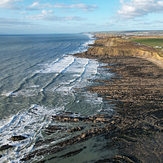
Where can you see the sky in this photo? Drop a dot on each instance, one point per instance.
(73, 16)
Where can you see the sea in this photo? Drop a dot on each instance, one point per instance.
(40, 77)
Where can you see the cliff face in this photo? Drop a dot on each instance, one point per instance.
(116, 46)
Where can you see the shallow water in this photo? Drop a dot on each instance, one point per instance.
(40, 77)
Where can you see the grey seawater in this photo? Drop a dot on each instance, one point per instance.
(39, 77)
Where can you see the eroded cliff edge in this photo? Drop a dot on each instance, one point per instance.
(106, 46)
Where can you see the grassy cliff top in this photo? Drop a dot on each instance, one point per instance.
(154, 42)
(148, 47)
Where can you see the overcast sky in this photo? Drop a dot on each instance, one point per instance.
(73, 16)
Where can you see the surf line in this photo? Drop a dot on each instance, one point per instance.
(58, 74)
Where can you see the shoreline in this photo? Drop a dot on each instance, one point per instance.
(137, 91)
(132, 133)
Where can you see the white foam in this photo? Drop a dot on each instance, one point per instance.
(59, 66)
(26, 92)
(84, 47)
(93, 98)
(8, 94)
(88, 43)
(27, 123)
(91, 36)
(78, 68)
(34, 86)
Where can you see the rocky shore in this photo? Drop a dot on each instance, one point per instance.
(137, 91)
(135, 131)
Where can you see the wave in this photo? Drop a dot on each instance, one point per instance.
(76, 71)
(59, 68)
(28, 123)
(54, 74)
(91, 36)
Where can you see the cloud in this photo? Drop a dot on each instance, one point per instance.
(37, 6)
(22, 13)
(121, 1)
(150, 23)
(88, 24)
(47, 12)
(83, 7)
(9, 4)
(136, 8)
(54, 18)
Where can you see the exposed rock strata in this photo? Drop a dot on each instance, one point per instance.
(137, 91)
(98, 118)
(108, 125)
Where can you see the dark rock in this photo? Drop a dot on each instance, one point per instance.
(68, 113)
(94, 125)
(42, 142)
(98, 118)
(102, 120)
(74, 129)
(4, 147)
(54, 128)
(18, 138)
(120, 158)
(62, 145)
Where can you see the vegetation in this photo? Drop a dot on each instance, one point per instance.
(150, 41)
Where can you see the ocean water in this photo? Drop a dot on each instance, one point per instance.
(40, 77)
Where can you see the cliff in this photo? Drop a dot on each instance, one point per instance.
(107, 46)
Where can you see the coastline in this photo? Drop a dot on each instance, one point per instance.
(132, 132)
(137, 91)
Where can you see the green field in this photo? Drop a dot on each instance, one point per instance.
(150, 42)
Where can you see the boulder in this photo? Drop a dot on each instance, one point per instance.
(18, 138)
(4, 147)
(74, 129)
